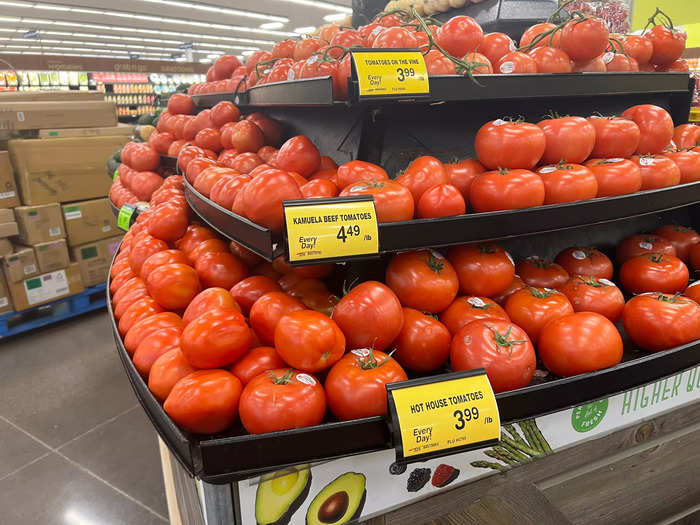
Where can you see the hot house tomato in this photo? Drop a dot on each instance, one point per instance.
(638, 47)
(421, 175)
(357, 171)
(369, 315)
(503, 349)
(568, 183)
(614, 137)
(250, 289)
(585, 39)
(688, 162)
(641, 244)
(510, 144)
(590, 294)
(655, 126)
(460, 35)
(668, 44)
(255, 362)
(654, 272)
(438, 64)
(206, 300)
(615, 176)
(540, 273)
(309, 340)
(464, 310)
(462, 173)
(423, 345)
(356, 385)
(506, 189)
(483, 269)
(442, 200)
(532, 308)
(281, 399)
(268, 310)
(568, 139)
(657, 171)
(681, 238)
(657, 321)
(550, 60)
(167, 370)
(173, 286)
(204, 402)
(216, 338)
(585, 261)
(578, 343)
(392, 201)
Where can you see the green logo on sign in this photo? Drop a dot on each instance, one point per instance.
(587, 417)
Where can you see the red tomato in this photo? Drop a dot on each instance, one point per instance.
(187, 154)
(578, 343)
(506, 189)
(167, 370)
(668, 44)
(305, 47)
(462, 173)
(179, 103)
(568, 183)
(422, 174)
(694, 256)
(196, 166)
(216, 338)
(438, 64)
(206, 246)
(173, 285)
(686, 136)
(209, 299)
(483, 269)
(484, 66)
(309, 340)
(644, 243)
(464, 310)
(283, 49)
(584, 39)
(226, 189)
(395, 38)
(319, 189)
(255, 362)
(245, 162)
(299, 154)
(615, 137)
(655, 126)
(514, 145)
(204, 402)
(693, 291)
(168, 221)
(280, 400)
(369, 315)
(392, 201)
(423, 280)
(356, 385)
(250, 289)
(460, 35)
(149, 325)
(681, 237)
(585, 261)
(550, 60)
(541, 273)
(538, 29)
(654, 272)
(656, 321)
(442, 200)
(208, 138)
(254, 59)
(592, 66)
(221, 269)
(268, 310)
(638, 47)
(568, 139)
(162, 258)
(679, 66)
(590, 294)
(142, 248)
(423, 344)
(224, 112)
(503, 349)
(262, 198)
(657, 171)
(144, 183)
(225, 65)
(688, 162)
(153, 346)
(272, 130)
(140, 309)
(245, 136)
(516, 62)
(161, 141)
(358, 171)
(619, 62)
(532, 308)
(515, 285)
(495, 45)
(615, 176)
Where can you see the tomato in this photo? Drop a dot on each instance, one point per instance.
(255, 362)
(226, 189)
(532, 308)
(173, 285)
(356, 385)
(694, 256)
(618, 62)
(657, 171)
(483, 269)
(462, 173)
(160, 141)
(578, 343)
(615, 176)
(306, 47)
(268, 310)
(149, 325)
(693, 291)
(464, 310)
(345, 38)
(614, 137)
(541, 273)
(319, 189)
(483, 65)
(679, 66)
(423, 344)
(220, 269)
(515, 62)
(179, 103)
(262, 198)
(641, 244)
(369, 315)
(442, 200)
(204, 402)
(250, 289)
(358, 171)
(686, 136)
(688, 162)
(206, 300)
(281, 399)
(515, 285)
(151, 347)
(585, 39)
(681, 237)
(206, 246)
(655, 272)
(657, 321)
(299, 154)
(140, 309)
(224, 112)
(508, 144)
(271, 129)
(144, 183)
(423, 280)
(245, 162)
(142, 249)
(208, 138)
(638, 47)
(592, 66)
(126, 300)
(309, 340)
(167, 370)
(422, 174)
(162, 258)
(568, 139)
(244, 136)
(495, 45)
(459, 35)
(585, 261)
(438, 64)
(168, 221)
(506, 189)
(216, 338)
(225, 65)
(668, 44)
(120, 279)
(503, 349)
(568, 183)
(196, 166)
(655, 126)
(534, 31)
(590, 294)
(395, 38)
(392, 201)
(550, 60)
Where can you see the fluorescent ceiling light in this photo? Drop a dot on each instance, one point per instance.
(321, 5)
(217, 9)
(205, 60)
(214, 56)
(272, 25)
(247, 53)
(304, 30)
(334, 17)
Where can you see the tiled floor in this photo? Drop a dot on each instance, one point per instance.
(75, 446)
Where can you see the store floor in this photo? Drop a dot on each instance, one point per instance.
(75, 446)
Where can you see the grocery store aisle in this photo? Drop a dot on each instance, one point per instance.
(75, 446)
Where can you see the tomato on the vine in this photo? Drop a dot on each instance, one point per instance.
(668, 44)
(584, 39)
(483, 270)
(423, 344)
(585, 261)
(550, 60)
(541, 273)
(309, 340)
(438, 64)
(532, 308)
(654, 272)
(395, 38)
(590, 294)
(533, 32)
(464, 310)
(460, 35)
(509, 144)
(515, 62)
(495, 45)
(638, 47)
(657, 321)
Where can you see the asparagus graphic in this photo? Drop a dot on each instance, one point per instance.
(515, 448)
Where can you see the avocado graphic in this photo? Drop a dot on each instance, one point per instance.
(338, 502)
(280, 494)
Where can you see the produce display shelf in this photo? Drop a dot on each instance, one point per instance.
(472, 227)
(167, 161)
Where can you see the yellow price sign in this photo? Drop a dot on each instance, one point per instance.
(391, 73)
(442, 415)
(327, 229)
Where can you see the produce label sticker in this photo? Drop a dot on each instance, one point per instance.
(435, 417)
(328, 229)
(124, 217)
(391, 73)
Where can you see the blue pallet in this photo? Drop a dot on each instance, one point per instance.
(13, 323)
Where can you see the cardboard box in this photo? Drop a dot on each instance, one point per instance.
(5, 300)
(19, 115)
(94, 259)
(46, 287)
(8, 189)
(5, 247)
(48, 96)
(88, 221)
(39, 223)
(20, 265)
(124, 130)
(52, 255)
(8, 227)
(6, 216)
(62, 170)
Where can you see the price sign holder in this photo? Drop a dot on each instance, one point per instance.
(442, 415)
(329, 230)
(390, 73)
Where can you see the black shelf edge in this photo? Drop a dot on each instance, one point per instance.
(303, 92)
(166, 161)
(209, 100)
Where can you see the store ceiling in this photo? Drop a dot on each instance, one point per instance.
(185, 30)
